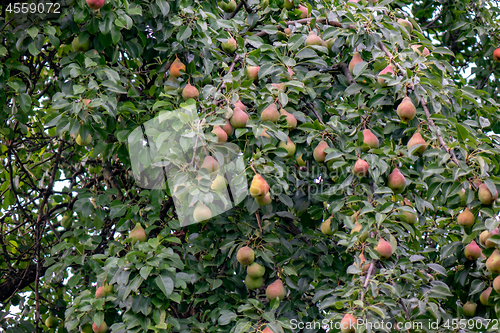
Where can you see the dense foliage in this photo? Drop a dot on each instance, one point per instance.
(367, 224)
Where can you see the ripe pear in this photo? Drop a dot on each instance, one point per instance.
(95, 4)
(406, 110)
(81, 142)
(190, 91)
(291, 121)
(469, 309)
(417, 139)
(239, 118)
(176, 67)
(210, 164)
(356, 59)
(313, 39)
(364, 267)
(51, 321)
(264, 134)
(357, 228)
(265, 200)
(239, 104)
(253, 283)
(369, 140)
(396, 181)
(230, 46)
(289, 146)
(407, 24)
(466, 218)
(487, 242)
(485, 296)
(348, 324)
(221, 134)
(259, 187)
(80, 47)
(100, 292)
(245, 255)
(86, 101)
(228, 128)
(424, 52)
(384, 248)
(485, 195)
(270, 113)
(267, 329)
(493, 262)
(472, 251)
(219, 183)
(138, 234)
(101, 328)
(255, 270)
(326, 227)
(319, 152)
(496, 55)
(304, 10)
(409, 217)
(201, 213)
(496, 284)
(253, 74)
(67, 222)
(300, 161)
(360, 168)
(275, 289)
(387, 70)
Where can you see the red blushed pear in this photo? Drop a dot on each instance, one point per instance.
(417, 139)
(466, 218)
(138, 234)
(384, 249)
(496, 55)
(406, 110)
(259, 187)
(485, 296)
(319, 152)
(387, 70)
(356, 59)
(230, 46)
(210, 164)
(95, 4)
(253, 72)
(270, 113)
(421, 52)
(348, 324)
(190, 91)
(472, 251)
(485, 195)
(487, 243)
(360, 168)
(239, 104)
(370, 140)
(396, 181)
(362, 265)
(239, 118)
(493, 262)
(221, 134)
(267, 330)
(496, 284)
(275, 289)
(304, 10)
(291, 121)
(228, 128)
(99, 329)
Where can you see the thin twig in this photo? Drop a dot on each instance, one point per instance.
(438, 132)
(236, 10)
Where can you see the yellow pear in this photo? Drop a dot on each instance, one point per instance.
(289, 146)
(319, 152)
(259, 187)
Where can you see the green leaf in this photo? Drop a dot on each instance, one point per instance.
(165, 283)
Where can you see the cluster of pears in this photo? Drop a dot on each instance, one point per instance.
(255, 272)
(176, 70)
(259, 189)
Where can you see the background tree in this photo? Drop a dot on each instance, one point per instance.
(382, 198)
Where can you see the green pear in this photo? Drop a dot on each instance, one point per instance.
(255, 270)
(245, 255)
(253, 283)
